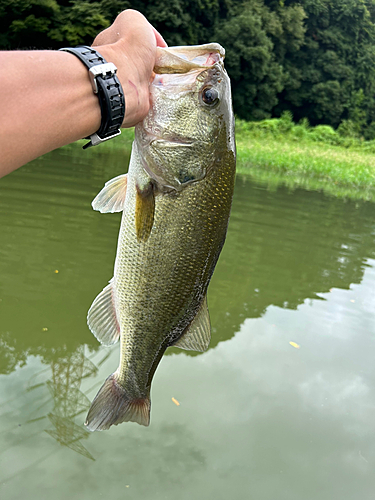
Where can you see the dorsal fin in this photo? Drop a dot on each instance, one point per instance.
(198, 335)
(112, 197)
(102, 319)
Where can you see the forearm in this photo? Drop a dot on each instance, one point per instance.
(49, 103)
(46, 97)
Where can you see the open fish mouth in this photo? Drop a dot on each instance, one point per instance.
(180, 60)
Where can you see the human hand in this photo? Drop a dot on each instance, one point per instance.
(130, 43)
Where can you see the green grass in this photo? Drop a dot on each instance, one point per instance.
(120, 142)
(277, 151)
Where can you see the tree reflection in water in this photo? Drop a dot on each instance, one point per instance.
(69, 401)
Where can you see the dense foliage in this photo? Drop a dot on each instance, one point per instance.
(315, 58)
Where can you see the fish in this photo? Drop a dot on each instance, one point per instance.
(175, 202)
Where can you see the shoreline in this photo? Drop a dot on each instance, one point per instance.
(278, 152)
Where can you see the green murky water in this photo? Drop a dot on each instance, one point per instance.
(258, 418)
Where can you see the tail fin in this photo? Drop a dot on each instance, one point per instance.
(112, 406)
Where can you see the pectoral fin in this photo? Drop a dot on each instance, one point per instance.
(102, 319)
(144, 211)
(112, 197)
(197, 337)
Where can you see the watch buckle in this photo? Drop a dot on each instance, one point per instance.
(103, 70)
(95, 139)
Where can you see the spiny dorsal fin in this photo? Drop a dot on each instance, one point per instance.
(198, 335)
(112, 197)
(102, 319)
(144, 211)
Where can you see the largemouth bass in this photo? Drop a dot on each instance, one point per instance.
(176, 200)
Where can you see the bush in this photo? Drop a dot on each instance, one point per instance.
(348, 128)
(369, 132)
(300, 132)
(286, 122)
(285, 128)
(325, 133)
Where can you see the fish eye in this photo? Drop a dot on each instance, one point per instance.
(210, 96)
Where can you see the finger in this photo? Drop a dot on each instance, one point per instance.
(100, 38)
(129, 23)
(160, 42)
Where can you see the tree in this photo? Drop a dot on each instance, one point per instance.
(48, 24)
(258, 42)
(335, 63)
(315, 58)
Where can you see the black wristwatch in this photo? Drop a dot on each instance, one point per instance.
(108, 89)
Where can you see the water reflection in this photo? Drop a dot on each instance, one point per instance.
(257, 417)
(69, 400)
(281, 248)
(285, 247)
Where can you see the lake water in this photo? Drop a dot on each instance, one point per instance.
(259, 418)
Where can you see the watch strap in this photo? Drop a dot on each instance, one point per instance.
(108, 89)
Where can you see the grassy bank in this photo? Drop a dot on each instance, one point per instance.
(278, 152)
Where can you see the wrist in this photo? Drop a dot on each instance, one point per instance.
(132, 77)
(108, 90)
(115, 54)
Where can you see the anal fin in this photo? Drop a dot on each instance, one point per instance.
(198, 335)
(102, 319)
(112, 197)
